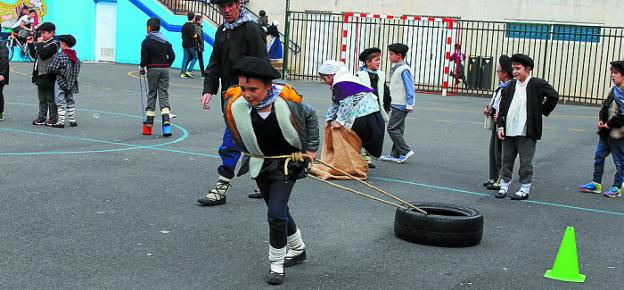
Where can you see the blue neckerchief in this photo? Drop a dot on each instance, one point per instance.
(270, 99)
(364, 68)
(158, 36)
(619, 98)
(244, 17)
(503, 85)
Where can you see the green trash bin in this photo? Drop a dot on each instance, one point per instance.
(474, 70)
(485, 73)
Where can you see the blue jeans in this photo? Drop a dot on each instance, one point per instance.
(189, 60)
(605, 147)
(229, 153)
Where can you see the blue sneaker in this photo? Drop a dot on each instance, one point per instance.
(591, 187)
(613, 192)
(403, 158)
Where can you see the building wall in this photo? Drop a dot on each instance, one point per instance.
(575, 11)
(78, 18)
(75, 18)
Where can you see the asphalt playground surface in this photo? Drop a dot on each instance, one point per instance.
(102, 207)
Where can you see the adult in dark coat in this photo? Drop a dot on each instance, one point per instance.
(523, 103)
(239, 36)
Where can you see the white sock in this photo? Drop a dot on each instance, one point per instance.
(295, 244)
(526, 188)
(276, 257)
(505, 185)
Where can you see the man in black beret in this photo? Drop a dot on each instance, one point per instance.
(270, 119)
(46, 48)
(504, 73)
(610, 136)
(523, 102)
(239, 36)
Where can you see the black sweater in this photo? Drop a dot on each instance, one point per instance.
(4, 64)
(537, 89)
(188, 31)
(387, 99)
(156, 54)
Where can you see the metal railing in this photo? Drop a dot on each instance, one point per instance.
(575, 60)
(212, 13)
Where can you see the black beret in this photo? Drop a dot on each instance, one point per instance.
(524, 60)
(254, 67)
(398, 48)
(68, 39)
(505, 63)
(367, 52)
(222, 1)
(47, 26)
(618, 65)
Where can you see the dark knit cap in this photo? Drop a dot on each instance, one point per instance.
(222, 1)
(505, 63)
(254, 67)
(524, 60)
(398, 48)
(367, 52)
(618, 65)
(47, 26)
(68, 39)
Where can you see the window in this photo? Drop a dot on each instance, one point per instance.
(529, 31)
(553, 32)
(576, 33)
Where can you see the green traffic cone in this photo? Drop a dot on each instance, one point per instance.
(566, 266)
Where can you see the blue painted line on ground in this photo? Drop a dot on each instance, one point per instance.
(483, 194)
(185, 135)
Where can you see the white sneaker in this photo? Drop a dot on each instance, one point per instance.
(388, 158)
(403, 158)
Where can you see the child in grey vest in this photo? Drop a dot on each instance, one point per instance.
(402, 95)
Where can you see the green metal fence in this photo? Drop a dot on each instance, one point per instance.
(573, 58)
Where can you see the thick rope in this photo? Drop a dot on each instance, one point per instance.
(359, 193)
(301, 157)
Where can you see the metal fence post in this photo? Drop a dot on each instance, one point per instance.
(286, 41)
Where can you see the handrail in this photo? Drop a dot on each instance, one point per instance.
(209, 11)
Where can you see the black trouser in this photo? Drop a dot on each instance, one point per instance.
(370, 129)
(281, 224)
(496, 153)
(200, 57)
(45, 93)
(1, 98)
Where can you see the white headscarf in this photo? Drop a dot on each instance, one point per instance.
(331, 67)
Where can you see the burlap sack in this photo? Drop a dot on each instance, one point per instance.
(341, 149)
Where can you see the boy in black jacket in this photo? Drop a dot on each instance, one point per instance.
(46, 48)
(520, 123)
(611, 133)
(156, 56)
